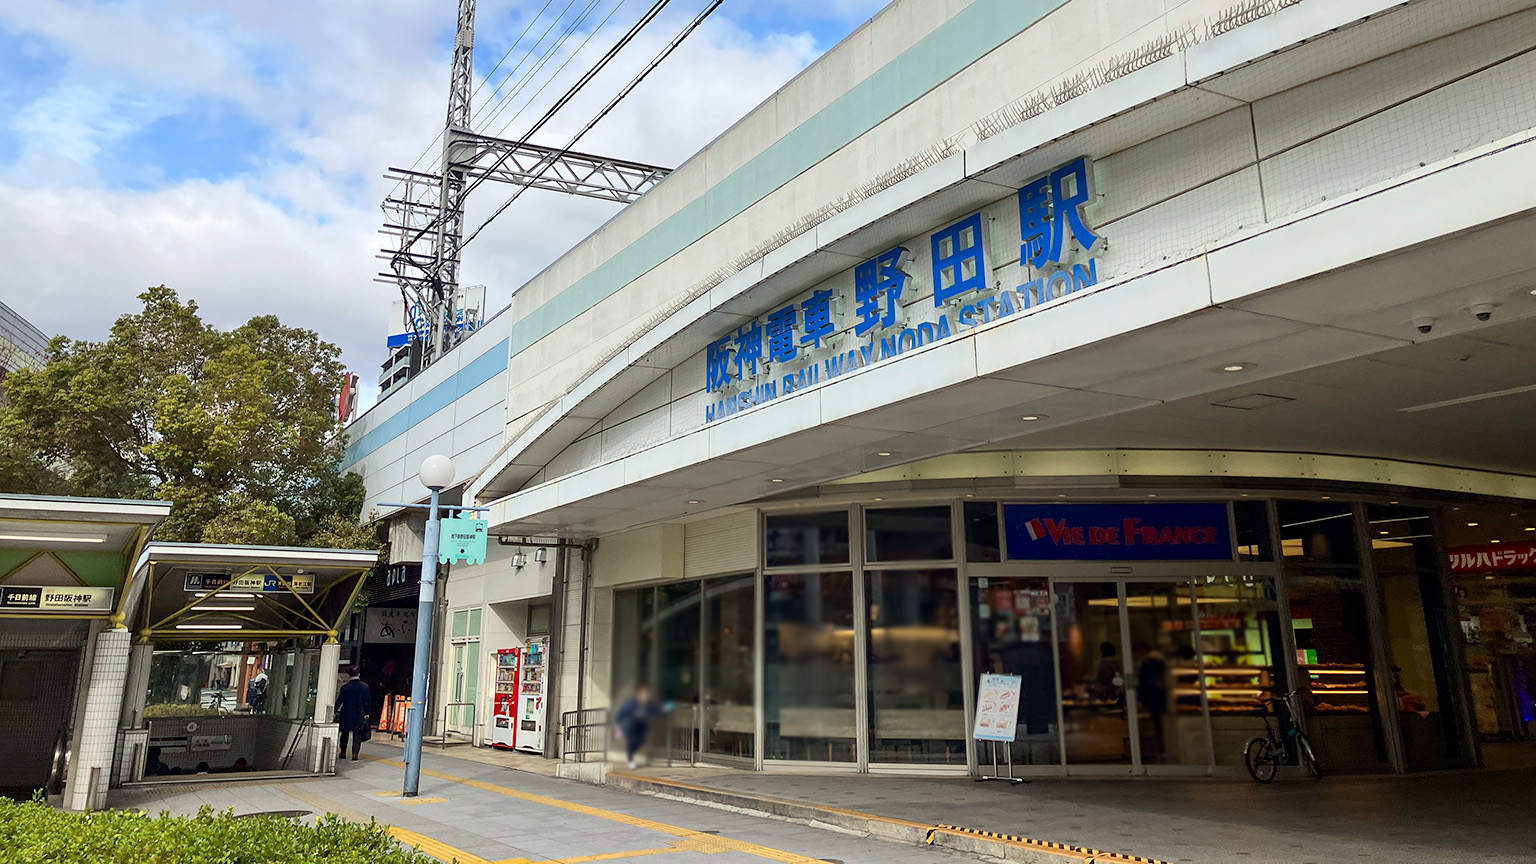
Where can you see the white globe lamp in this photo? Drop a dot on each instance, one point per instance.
(436, 472)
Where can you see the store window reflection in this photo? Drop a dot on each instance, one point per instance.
(729, 631)
(917, 707)
(1492, 552)
(1011, 625)
(1240, 649)
(1332, 634)
(808, 667)
(1414, 612)
(677, 638)
(1091, 654)
(1165, 675)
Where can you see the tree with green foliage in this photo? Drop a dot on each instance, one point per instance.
(236, 429)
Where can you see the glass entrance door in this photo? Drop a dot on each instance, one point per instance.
(1091, 662)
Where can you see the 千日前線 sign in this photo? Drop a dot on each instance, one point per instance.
(38, 598)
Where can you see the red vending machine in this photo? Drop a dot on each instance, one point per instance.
(504, 707)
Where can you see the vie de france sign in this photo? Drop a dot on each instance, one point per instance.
(883, 310)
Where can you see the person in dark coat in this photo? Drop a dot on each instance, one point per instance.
(633, 720)
(353, 702)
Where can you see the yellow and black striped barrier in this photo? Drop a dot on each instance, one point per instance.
(1089, 856)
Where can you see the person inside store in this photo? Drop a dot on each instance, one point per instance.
(633, 721)
(353, 702)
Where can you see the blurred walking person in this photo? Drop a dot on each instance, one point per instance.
(353, 702)
(633, 721)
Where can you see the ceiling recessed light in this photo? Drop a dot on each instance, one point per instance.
(1456, 508)
(970, 495)
(879, 499)
(1031, 418)
(1493, 541)
(1471, 524)
(1386, 532)
(1151, 494)
(1235, 367)
(775, 480)
(695, 501)
(885, 453)
(1489, 578)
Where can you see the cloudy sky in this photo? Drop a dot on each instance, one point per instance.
(233, 149)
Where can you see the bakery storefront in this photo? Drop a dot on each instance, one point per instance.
(1143, 626)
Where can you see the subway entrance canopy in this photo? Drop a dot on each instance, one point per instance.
(207, 592)
(65, 567)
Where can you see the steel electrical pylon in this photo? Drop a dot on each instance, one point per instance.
(425, 216)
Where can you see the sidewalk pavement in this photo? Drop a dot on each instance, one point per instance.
(1483, 816)
(485, 814)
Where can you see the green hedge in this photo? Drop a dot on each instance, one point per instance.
(34, 833)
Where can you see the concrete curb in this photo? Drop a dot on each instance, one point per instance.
(984, 843)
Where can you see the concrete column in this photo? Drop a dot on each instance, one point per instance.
(325, 690)
(278, 680)
(140, 658)
(90, 769)
(298, 685)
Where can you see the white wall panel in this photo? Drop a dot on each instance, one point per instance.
(726, 544)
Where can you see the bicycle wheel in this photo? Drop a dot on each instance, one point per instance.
(1259, 756)
(1308, 758)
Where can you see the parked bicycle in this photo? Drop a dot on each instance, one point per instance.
(1264, 755)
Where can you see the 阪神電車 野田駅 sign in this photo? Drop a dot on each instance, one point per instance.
(813, 340)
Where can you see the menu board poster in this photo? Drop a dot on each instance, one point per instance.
(997, 708)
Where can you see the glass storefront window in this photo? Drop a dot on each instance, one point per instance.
(1317, 534)
(808, 667)
(1254, 542)
(730, 624)
(982, 543)
(677, 646)
(634, 641)
(917, 695)
(807, 539)
(1240, 649)
(1011, 631)
(908, 534)
(1333, 652)
(1414, 614)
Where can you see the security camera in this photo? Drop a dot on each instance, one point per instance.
(1483, 311)
(1425, 323)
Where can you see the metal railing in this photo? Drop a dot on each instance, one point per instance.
(680, 740)
(584, 734)
(450, 736)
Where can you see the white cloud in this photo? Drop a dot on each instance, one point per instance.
(345, 89)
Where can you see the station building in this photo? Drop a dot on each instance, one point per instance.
(1160, 354)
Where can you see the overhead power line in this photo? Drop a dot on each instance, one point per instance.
(665, 52)
(565, 99)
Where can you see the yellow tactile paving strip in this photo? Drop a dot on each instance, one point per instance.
(690, 840)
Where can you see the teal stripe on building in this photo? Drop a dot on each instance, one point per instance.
(959, 42)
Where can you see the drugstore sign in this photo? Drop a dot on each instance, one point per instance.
(1482, 559)
(835, 330)
(1117, 532)
(35, 598)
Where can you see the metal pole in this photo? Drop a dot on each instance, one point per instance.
(424, 629)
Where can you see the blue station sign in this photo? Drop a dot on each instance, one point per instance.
(810, 341)
(1117, 532)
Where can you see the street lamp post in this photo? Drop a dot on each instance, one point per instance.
(436, 473)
